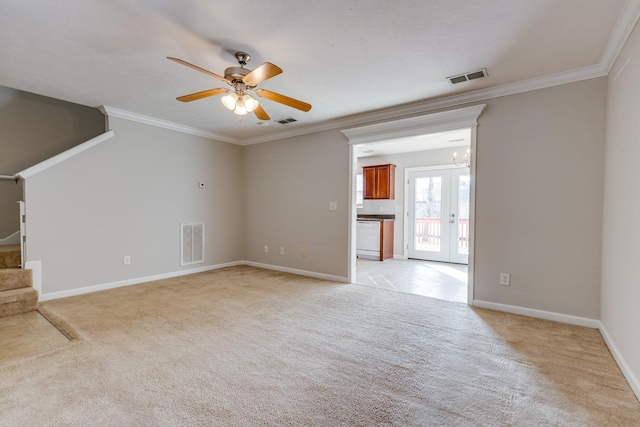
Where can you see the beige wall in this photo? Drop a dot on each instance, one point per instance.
(288, 186)
(128, 196)
(35, 128)
(403, 161)
(540, 160)
(620, 312)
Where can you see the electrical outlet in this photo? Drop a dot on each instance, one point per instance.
(281, 250)
(266, 248)
(126, 260)
(304, 252)
(505, 279)
(380, 208)
(333, 206)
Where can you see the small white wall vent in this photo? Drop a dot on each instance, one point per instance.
(468, 76)
(285, 121)
(191, 244)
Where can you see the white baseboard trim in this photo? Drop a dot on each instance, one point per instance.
(299, 272)
(633, 381)
(138, 280)
(540, 314)
(14, 239)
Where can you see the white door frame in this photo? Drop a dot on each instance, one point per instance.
(460, 118)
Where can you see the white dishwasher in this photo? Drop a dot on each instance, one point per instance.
(368, 239)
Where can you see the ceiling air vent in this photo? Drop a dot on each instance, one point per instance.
(285, 121)
(468, 76)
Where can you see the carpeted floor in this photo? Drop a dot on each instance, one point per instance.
(248, 347)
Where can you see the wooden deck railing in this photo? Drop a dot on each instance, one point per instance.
(428, 232)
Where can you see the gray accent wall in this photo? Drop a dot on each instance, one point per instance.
(539, 189)
(288, 187)
(10, 194)
(621, 234)
(128, 196)
(35, 128)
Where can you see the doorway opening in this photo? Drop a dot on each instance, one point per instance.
(413, 272)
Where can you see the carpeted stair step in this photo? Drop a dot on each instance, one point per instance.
(15, 278)
(18, 301)
(10, 256)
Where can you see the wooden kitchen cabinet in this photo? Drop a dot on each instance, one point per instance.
(379, 182)
(386, 240)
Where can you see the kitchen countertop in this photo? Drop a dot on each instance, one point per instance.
(376, 217)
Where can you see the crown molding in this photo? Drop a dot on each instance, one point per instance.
(422, 107)
(140, 118)
(621, 32)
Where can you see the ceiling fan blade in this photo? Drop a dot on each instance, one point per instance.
(290, 102)
(261, 114)
(203, 94)
(195, 67)
(262, 73)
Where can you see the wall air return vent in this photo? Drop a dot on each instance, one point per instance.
(468, 76)
(286, 121)
(191, 243)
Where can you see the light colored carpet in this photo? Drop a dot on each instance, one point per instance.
(248, 347)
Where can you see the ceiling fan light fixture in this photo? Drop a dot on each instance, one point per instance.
(229, 101)
(239, 104)
(241, 109)
(250, 103)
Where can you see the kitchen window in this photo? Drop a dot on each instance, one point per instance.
(359, 191)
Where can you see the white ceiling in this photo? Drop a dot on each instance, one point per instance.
(345, 57)
(431, 141)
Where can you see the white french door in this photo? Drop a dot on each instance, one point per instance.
(439, 215)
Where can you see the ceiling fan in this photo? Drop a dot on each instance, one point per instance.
(243, 80)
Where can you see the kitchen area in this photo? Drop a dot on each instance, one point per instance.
(374, 232)
(385, 217)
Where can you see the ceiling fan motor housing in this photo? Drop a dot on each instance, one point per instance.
(235, 73)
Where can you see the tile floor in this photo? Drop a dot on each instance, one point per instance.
(433, 279)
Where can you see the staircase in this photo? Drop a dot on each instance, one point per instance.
(16, 293)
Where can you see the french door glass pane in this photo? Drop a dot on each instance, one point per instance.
(428, 211)
(463, 214)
